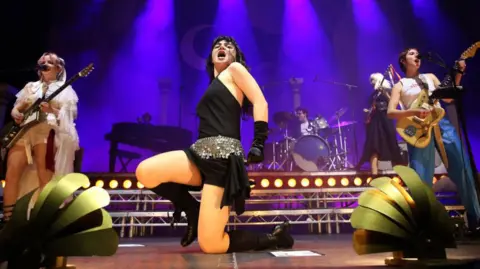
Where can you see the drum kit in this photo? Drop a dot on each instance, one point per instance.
(323, 147)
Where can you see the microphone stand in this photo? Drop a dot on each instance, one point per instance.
(350, 100)
(462, 122)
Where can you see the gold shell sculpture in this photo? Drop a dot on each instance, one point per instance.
(410, 221)
(80, 228)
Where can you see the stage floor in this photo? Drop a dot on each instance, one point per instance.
(167, 253)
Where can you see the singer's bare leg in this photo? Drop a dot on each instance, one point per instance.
(374, 164)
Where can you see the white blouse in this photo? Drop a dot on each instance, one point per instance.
(66, 136)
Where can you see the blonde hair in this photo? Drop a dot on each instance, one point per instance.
(376, 79)
(61, 76)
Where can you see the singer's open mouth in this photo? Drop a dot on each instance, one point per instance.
(221, 55)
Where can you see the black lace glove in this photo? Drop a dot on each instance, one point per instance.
(255, 155)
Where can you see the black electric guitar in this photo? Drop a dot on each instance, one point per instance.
(13, 131)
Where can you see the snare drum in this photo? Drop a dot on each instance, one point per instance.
(311, 153)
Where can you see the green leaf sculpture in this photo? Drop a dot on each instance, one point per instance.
(411, 223)
(80, 228)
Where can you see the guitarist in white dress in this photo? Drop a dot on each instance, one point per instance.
(48, 147)
(422, 160)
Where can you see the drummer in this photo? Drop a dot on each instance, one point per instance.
(305, 127)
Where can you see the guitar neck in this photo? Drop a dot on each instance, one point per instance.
(63, 87)
(35, 107)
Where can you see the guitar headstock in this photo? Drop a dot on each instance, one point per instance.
(86, 71)
(471, 51)
(389, 68)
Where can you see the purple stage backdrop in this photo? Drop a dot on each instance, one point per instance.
(138, 46)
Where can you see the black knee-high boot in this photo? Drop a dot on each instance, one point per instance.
(241, 240)
(182, 200)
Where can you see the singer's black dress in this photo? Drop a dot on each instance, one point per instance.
(220, 114)
(381, 136)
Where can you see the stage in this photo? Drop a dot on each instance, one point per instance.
(313, 202)
(337, 251)
(318, 205)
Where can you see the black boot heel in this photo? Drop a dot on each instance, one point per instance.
(182, 201)
(282, 233)
(192, 228)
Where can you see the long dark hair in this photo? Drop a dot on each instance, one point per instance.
(247, 106)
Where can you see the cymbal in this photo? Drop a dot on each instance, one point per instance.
(338, 114)
(282, 117)
(344, 123)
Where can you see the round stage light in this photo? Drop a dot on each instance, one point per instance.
(278, 183)
(318, 182)
(127, 184)
(331, 182)
(305, 182)
(369, 179)
(140, 185)
(264, 183)
(99, 183)
(344, 181)
(434, 180)
(3, 183)
(357, 181)
(113, 184)
(292, 183)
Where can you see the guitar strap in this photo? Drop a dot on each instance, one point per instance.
(423, 84)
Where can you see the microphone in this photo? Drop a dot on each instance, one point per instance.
(428, 56)
(42, 67)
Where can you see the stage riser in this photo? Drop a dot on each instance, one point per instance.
(327, 210)
(319, 221)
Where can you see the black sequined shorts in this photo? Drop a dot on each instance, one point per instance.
(220, 161)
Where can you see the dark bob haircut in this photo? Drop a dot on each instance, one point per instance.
(247, 107)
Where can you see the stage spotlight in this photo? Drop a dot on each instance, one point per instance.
(253, 183)
(344, 181)
(278, 183)
(140, 185)
(318, 182)
(3, 183)
(113, 184)
(305, 182)
(357, 181)
(127, 184)
(99, 183)
(331, 182)
(264, 183)
(292, 183)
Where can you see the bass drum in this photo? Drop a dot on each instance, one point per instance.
(311, 153)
